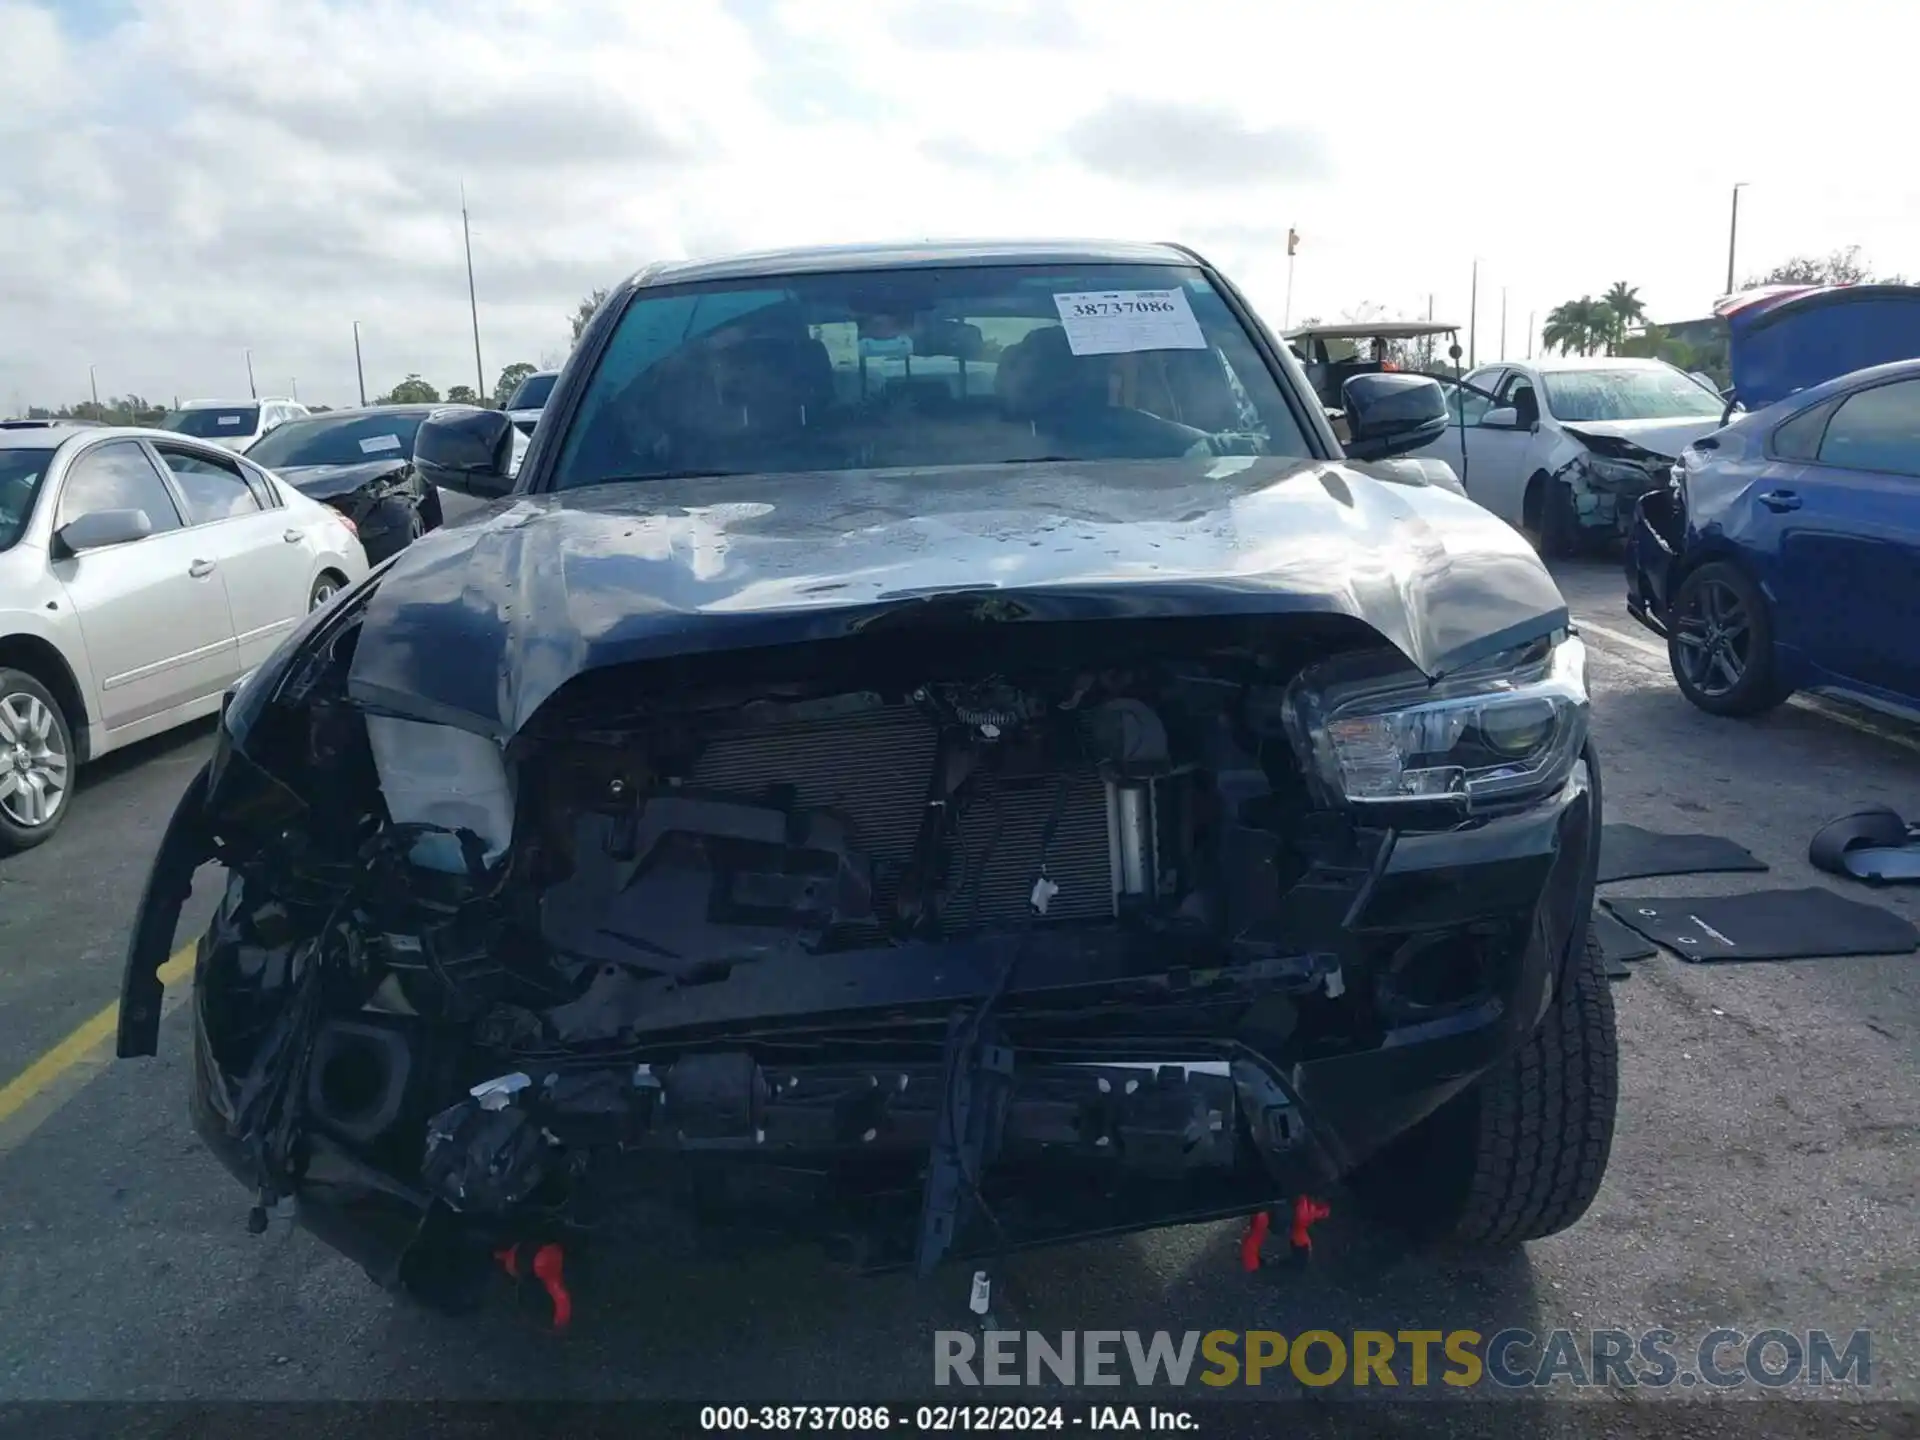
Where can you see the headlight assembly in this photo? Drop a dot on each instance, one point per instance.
(1617, 472)
(1375, 732)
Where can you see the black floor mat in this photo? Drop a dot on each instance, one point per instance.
(1618, 945)
(1629, 853)
(1766, 925)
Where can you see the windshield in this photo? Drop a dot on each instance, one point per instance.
(214, 422)
(338, 440)
(984, 365)
(1650, 394)
(20, 472)
(532, 392)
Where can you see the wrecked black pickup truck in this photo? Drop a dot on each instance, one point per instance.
(938, 753)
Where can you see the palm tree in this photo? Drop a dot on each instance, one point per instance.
(1581, 325)
(1562, 331)
(1623, 304)
(1597, 320)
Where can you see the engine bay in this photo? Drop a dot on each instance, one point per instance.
(803, 921)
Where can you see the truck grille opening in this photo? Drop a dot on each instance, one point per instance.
(871, 769)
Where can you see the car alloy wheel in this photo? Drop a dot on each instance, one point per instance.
(1713, 638)
(324, 589)
(33, 761)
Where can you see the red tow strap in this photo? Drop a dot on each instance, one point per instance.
(549, 1268)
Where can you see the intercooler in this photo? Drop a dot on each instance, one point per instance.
(872, 768)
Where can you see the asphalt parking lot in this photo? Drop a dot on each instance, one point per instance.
(1764, 1172)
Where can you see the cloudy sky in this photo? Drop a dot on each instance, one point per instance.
(184, 180)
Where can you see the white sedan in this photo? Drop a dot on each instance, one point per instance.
(1563, 447)
(141, 573)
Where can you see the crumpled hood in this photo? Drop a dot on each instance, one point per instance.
(328, 482)
(1665, 438)
(477, 626)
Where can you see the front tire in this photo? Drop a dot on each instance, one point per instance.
(1520, 1154)
(1720, 642)
(324, 589)
(36, 762)
(1558, 533)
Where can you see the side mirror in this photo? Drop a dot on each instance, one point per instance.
(100, 529)
(1392, 413)
(1504, 418)
(464, 448)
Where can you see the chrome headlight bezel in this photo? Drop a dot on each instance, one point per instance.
(1376, 736)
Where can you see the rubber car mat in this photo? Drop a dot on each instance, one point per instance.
(1765, 925)
(1618, 945)
(1629, 853)
(1873, 844)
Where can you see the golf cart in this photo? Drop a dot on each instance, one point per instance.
(1332, 353)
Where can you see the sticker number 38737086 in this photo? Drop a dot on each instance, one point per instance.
(1116, 322)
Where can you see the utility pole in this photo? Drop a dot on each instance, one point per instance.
(1530, 334)
(1293, 243)
(1733, 233)
(1473, 318)
(1503, 322)
(473, 303)
(94, 385)
(294, 381)
(1426, 352)
(251, 391)
(359, 369)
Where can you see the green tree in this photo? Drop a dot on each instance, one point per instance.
(410, 391)
(1624, 309)
(461, 395)
(509, 382)
(1583, 326)
(1842, 267)
(1565, 329)
(583, 312)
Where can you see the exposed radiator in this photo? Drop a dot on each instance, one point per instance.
(872, 768)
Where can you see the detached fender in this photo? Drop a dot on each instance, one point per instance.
(187, 844)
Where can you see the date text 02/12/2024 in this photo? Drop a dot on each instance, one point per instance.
(941, 1419)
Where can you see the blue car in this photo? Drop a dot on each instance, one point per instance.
(1784, 554)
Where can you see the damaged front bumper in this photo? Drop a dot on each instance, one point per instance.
(1654, 544)
(1606, 490)
(1240, 1024)
(1195, 1099)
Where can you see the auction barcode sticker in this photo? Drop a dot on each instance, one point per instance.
(1118, 322)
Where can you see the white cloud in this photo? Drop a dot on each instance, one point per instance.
(186, 179)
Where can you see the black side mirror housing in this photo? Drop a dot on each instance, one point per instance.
(102, 529)
(467, 449)
(1391, 414)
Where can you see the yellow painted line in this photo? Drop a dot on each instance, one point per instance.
(43, 1086)
(1887, 730)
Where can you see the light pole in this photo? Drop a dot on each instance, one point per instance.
(1473, 317)
(1733, 233)
(1530, 315)
(294, 381)
(473, 303)
(359, 369)
(1503, 322)
(94, 385)
(252, 391)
